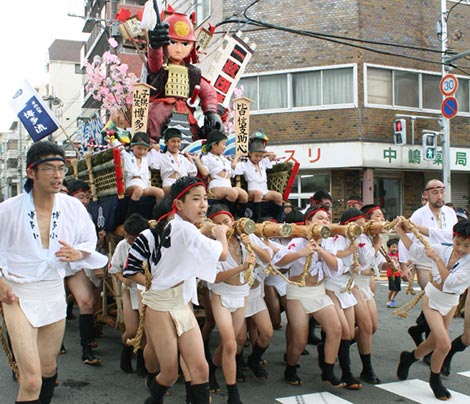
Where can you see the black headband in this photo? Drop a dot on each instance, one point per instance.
(40, 161)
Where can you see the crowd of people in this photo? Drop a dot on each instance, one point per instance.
(244, 282)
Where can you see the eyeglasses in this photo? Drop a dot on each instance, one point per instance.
(50, 170)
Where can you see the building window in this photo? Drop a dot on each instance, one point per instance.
(409, 89)
(462, 95)
(306, 184)
(201, 7)
(306, 89)
(300, 90)
(406, 89)
(387, 194)
(272, 91)
(432, 96)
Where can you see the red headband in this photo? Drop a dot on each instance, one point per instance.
(184, 191)
(354, 201)
(221, 212)
(315, 211)
(436, 187)
(454, 234)
(372, 209)
(352, 219)
(165, 215)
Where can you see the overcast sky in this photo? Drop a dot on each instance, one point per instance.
(27, 29)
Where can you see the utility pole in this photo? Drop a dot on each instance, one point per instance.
(445, 123)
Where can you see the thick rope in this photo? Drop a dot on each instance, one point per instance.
(136, 341)
(409, 289)
(404, 310)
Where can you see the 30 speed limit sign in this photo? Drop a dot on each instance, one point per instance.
(449, 84)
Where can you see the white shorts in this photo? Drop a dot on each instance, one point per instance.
(337, 285)
(278, 283)
(313, 298)
(97, 282)
(440, 301)
(363, 283)
(138, 182)
(42, 302)
(256, 301)
(232, 297)
(218, 182)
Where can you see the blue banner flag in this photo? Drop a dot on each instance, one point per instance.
(33, 113)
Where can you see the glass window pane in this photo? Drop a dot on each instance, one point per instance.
(379, 86)
(306, 89)
(406, 89)
(432, 97)
(387, 195)
(249, 86)
(462, 95)
(312, 183)
(273, 91)
(338, 86)
(203, 10)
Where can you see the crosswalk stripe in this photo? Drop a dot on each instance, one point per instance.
(420, 392)
(466, 374)
(315, 398)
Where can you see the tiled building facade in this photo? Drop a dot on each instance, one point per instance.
(318, 95)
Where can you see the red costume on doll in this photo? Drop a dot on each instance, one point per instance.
(172, 92)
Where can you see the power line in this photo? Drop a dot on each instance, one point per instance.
(337, 38)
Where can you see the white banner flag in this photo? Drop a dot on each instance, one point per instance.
(31, 110)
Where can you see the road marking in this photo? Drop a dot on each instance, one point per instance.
(466, 374)
(315, 398)
(420, 392)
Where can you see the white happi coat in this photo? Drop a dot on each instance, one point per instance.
(22, 258)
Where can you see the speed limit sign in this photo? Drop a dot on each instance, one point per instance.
(449, 84)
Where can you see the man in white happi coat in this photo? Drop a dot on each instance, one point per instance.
(43, 231)
(434, 220)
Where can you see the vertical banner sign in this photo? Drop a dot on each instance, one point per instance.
(241, 106)
(36, 117)
(227, 65)
(140, 107)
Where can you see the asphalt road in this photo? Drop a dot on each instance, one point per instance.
(109, 385)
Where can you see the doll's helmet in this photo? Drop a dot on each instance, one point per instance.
(181, 28)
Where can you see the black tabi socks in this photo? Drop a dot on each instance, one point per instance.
(329, 376)
(368, 375)
(457, 346)
(141, 370)
(437, 387)
(254, 362)
(85, 325)
(157, 392)
(233, 394)
(406, 360)
(126, 359)
(47, 389)
(257, 211)
(200, 393)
